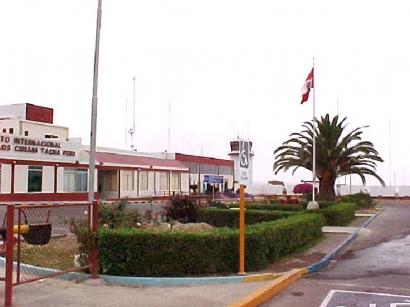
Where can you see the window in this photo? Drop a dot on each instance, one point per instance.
(143, 181)
(110, 182)
(163, 181)
(176, 181)
(26, 133)
(35, 178)
(50, 136)
(127, 180)
(75, 180)
(11, 130)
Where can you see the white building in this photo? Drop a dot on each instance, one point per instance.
(40, 163)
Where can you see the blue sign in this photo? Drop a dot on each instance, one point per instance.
(213, 179)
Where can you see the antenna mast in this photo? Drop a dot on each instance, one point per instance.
(126, 121)
(132, 130)
(169, 125)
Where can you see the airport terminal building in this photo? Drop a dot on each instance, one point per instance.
(39, 162)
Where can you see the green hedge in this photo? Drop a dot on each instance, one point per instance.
(363, 200)
(133, 252)
(260, 206)
(230, 218)
(322, 203)
(337, 214)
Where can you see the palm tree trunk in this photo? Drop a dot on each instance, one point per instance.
(327, 189)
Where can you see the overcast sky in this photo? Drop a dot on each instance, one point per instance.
(227, 68)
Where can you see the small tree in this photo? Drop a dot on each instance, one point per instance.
(181, 209)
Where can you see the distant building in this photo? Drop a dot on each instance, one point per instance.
(40, 163)
(206, 173)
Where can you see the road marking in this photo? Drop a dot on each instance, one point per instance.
(328, 298)
(331, 293)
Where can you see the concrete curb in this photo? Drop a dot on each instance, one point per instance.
(265, 293)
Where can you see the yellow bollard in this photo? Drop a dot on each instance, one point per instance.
(23, 229)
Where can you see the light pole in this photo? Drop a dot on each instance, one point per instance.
(93, 135)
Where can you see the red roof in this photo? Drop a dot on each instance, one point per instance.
(106, 157)
(203, 160)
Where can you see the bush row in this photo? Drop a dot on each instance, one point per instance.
(322, 203)
(262, 206)
(337, 214)
(230, 218)
(209, 252)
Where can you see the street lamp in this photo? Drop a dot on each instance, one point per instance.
(93, 135)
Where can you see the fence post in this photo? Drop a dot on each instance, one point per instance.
(8, 287)
(94, 250)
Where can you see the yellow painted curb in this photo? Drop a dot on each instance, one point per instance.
(304, 271)
(260, 277)
(267, 292)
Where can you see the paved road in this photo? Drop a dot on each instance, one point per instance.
(374, 269)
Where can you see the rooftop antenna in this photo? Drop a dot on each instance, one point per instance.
(389, 155)
(169, 124)
(132, 130)
(126, 122)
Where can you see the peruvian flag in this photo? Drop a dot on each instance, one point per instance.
(307, 86)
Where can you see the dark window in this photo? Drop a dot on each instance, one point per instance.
(26, 133)
(11, 130)
(35, 178)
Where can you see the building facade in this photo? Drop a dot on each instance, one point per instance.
(40, 163)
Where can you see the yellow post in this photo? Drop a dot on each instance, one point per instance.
(241, 230)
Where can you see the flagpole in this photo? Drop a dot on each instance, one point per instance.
(314, 137)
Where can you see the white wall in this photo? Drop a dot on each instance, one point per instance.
(39, 130)
(404, 190)
(48, 179)
(264, 189)
(10, 123)
(5, 178)
(184, 182)
(60, 179)
(20, 178)
(13, 110)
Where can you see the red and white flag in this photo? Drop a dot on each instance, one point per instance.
(309, 83)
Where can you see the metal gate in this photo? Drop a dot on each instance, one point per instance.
(41, 241)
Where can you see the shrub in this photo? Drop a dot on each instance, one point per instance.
(117, 215)
(181, 209)
(363, 200)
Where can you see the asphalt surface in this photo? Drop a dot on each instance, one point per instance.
(374, 269)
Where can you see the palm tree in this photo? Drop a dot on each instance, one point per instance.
(336, 155)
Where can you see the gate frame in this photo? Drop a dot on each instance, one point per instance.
(8, 248)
